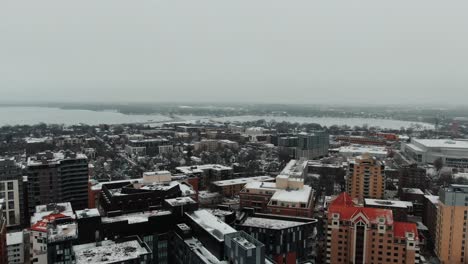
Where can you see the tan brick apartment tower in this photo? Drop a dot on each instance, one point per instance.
(366, 178)
(368, 235)
(451, 242)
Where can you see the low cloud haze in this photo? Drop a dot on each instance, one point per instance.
(249, 51)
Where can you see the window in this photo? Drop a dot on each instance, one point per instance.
(11, 196)
(11, 218)
(10, 186)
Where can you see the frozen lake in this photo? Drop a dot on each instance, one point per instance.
(35, 115)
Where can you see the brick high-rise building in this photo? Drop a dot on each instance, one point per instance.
(451, 245)
(368, 235)
(366, 178)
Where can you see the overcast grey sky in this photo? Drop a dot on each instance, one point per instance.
(241, 50)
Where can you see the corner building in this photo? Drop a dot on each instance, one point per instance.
(368, 235)
(451, 229)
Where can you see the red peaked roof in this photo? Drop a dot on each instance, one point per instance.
(343, 200)
(345, 206)
(400, 229)
(41, 226)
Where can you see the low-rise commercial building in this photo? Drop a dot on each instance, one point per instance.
(214, 145)
(207, 173)
(287, 196)
(233, 187)
(453, 153)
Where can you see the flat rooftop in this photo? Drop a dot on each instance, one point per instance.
(413, 191)
(294, 168)
(202, 252)
(293, 196)
(243, 181)
(269, 223)
(442, 143)
(135, 218)
(48, 209)
(244, 242)
(388, 203)
(201, 168)
(98, 186)
(433, 198)
(363, 149)
(87, 213)
(14, 238)
(211, 223)
(56, 158)
(180, 201)
(62, 232)
(261, 185)
(108, 252)
(207, 194)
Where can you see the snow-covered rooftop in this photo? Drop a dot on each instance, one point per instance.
(203, 253)
(373, 150)
(201, 168)
(261, 186)
(62, 232)
(433, 199)
(98, 186)
(87, 213)
(186, 189)
(48, 209)
(295, 168)
(55, 158)
(269, 223)
(108, 252)
(135, 218)
(413, 191)
(463, 175)
(31, 140)
(244, 242)
(293, 196)
(243, 181)
(180, 201)
(442, 143)
(207, 194)
(211, 223)
(14, 238)
(388, 203)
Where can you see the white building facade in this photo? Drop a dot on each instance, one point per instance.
(454, 153)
